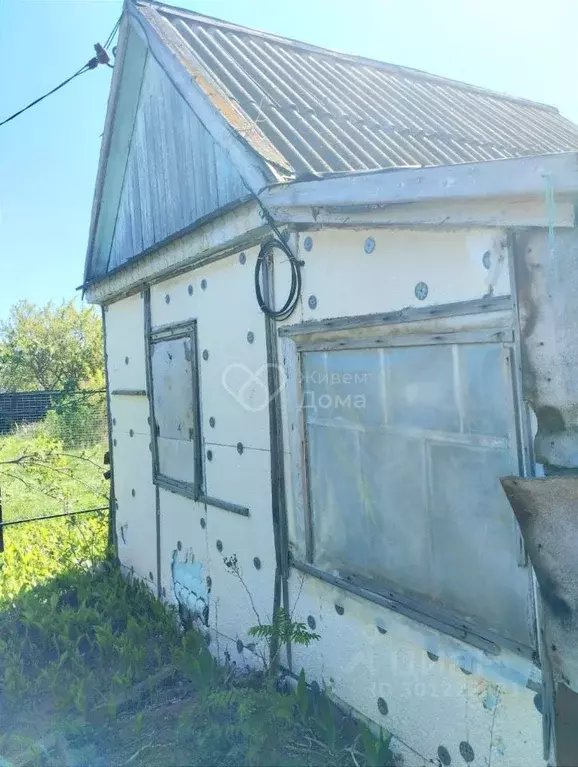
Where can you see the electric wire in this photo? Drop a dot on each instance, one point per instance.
(266, 253)
(81, 71)
(100, 58)
(110, 38)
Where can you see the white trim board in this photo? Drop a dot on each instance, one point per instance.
(535, 176)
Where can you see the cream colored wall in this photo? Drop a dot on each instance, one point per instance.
(431, 703)
(136, 513)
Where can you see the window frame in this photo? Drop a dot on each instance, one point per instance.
(173, 332)
(486, 321)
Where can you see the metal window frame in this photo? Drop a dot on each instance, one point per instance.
(156, 335)
(490, 320)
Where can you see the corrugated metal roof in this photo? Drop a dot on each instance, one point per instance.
(315, 110)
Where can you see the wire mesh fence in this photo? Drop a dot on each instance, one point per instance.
(53, 455)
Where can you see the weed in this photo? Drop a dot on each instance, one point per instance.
(94, 646)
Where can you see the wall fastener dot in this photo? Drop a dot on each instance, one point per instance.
(219, 545)
(308, 243)
(190, 290)
(369, 245)
(205, 354)
(382, 707)
(311, 622)
(487, 260)
(256, 563)
(131, 433)
(240, 646)
(466, 751)
(150, 576)
(167, 299)
(432, 656)
(133, 492)
(179, 546)
(242, 257)
(444, 756)
(203, 522)
(114, 442)
(114, 421)
(126, 360)
(339, 609)
(312, 302)
(203, 284)
(250, 337)
(212, 422)
(240, 448)
(421, 290)
(209, 455)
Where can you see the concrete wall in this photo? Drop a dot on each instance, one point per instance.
(443, 696)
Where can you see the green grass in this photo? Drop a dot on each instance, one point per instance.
(95, 671)
(40, 475)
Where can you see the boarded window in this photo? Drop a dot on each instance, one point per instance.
(405, 447)
(173, 372)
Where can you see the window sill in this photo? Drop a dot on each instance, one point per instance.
(422, 613)
(190, 491)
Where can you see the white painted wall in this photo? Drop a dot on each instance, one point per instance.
(431, 703)
(136, 511)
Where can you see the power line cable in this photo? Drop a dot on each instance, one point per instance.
(110, 38)
(100, 58)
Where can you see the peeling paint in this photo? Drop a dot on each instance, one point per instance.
(190, 587)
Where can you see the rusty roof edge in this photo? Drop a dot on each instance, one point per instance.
(247, 133)
(349, 57)
(529, 176)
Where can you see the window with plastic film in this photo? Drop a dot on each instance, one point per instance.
(176, 423)
(405, 447)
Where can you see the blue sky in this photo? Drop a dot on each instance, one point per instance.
(48, 156)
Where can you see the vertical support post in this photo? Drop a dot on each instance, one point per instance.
(278, 500)
(112, 537)
(1, 525)
(154, 454)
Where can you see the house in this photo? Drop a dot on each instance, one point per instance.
(325, 285)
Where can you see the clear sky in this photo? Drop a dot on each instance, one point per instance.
(49, 155)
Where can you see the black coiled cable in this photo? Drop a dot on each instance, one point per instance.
(295, 290)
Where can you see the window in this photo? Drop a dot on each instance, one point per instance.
(176, 435)
(404, 446)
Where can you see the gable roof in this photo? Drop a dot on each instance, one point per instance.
(305, 109)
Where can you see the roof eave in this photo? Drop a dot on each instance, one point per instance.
(530, 176)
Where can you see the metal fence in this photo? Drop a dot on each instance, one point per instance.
(53, 456)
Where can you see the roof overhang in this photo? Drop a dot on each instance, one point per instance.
(545, 176)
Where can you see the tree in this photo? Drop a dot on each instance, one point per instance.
(51, 347)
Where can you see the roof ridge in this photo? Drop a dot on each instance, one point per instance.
(398, 69)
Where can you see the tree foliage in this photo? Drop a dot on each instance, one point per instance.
(51, 347)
